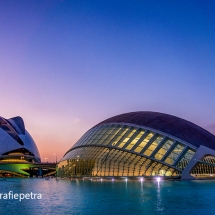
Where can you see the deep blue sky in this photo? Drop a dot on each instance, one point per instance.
(67, 65)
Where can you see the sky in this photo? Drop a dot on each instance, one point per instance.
(68, 65)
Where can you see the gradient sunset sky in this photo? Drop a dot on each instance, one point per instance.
(67, 65)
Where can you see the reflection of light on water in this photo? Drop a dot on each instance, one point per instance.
(143, 196)
(112, 179)
(159, 198)
(141, 180)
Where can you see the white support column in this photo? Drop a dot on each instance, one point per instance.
(201, 152)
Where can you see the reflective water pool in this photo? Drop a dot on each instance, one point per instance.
(108, 197)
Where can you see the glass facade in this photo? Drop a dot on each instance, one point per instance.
(205, 168)
(185, 159)
(99, 161)
(125, 150)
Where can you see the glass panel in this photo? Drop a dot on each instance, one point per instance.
(150, 168)
(119, 136)
(174, 154)
(163, 170)
(153, 146)
(134, 141)
(205, 169)
(89, 135)
(159, 155)
(125, 140)
(185, 159)
(112, 135)
(144, 142)
(95, 136)
(156, 169)
(104, 136)
(169, 172)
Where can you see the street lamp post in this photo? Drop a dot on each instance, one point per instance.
(56, 156)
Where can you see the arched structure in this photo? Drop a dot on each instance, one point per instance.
(16, 146)
(145, 144)
(15, 141)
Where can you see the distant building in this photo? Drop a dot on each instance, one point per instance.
(142, 144)
(16, 144)
(19, 156)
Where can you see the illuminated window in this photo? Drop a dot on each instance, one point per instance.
(205, 169)
(134, 141)
(185, 159)
(153, 146)
(159, 155)
(174, 154)
(144, 142)
(125, 140)
(119, 136)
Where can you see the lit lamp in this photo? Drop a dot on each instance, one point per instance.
(56, 156)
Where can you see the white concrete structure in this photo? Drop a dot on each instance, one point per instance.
(16, 144)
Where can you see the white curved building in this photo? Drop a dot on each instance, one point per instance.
(16, 144)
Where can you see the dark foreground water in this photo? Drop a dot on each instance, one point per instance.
(107, 197)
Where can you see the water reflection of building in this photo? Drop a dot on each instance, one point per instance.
(145, 144)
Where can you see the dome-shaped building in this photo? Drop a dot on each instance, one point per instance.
(16, 144)
(142, 144)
